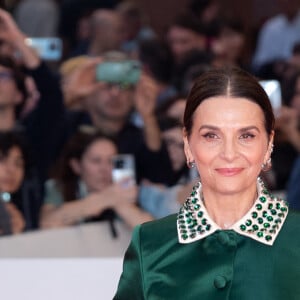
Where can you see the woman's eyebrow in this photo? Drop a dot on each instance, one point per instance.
(249, 128)
(211, 127)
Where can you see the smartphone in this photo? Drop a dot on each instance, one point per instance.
(125, 72)
(49, 49)
(124, 169)
(273, 90)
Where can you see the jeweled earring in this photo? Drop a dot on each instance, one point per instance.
(190, 164)
(267, 165)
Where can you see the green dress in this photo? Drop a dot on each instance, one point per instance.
(188, 257)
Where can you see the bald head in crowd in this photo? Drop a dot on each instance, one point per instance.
(106, 31)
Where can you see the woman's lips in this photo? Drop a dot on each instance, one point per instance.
(229, 171)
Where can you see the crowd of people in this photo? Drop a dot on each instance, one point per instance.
(121, 88)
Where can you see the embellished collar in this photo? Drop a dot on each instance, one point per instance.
(261, 223)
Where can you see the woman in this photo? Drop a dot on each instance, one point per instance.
(14, 166)
(82, 189)
(232, 239)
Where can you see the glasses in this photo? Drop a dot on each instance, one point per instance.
(5, 76)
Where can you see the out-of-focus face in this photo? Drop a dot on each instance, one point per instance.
(173, 140)
(11, 170)
(295, 103)
(229, 144)
(111, 102)
(232, 43)
(183, 40)
(176, 111)
(9, 94)
(95, 166)
(110, 34)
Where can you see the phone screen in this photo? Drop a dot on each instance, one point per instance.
(273, 90)
(124, 169)
(48, 48)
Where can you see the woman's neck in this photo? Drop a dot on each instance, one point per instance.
(226, 210)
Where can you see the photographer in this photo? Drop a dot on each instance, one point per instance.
(109, 93)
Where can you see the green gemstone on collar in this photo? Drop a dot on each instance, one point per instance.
(260, 220)
(193, 235)
(278, 221)
(204, 221)
(273, 212)
(260, 234)
(243, 227)
(199, 228)
(200, 214)
(183, 231)
(255, 227)
(262, 199)
(266, 225)
(189, 220)
(272, 231)
(184, 236)
(193, 193)
(265, 214)
(278, 205)
(270, 218)
(194, 200)
(283, 209)
(265, 191)
(268, 238)
(191, 226)
(207, 228)
(270, 206)
(196, 206)
(254, 214)
(188, 214)
(258, 206)
(182, 227)
(181, 222)
(248, 222)
(180, 216)
(281, 215)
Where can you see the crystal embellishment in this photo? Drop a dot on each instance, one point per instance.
(262, 222)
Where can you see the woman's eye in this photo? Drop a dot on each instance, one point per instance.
(246, 136)
(210, 135)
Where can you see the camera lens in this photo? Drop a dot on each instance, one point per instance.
(119, 164)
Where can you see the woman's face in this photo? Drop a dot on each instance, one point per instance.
(229, 143)
(95, 167)
(12, 170)
(173, 140)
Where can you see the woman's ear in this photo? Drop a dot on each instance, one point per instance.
(270, 147)
(187, 150)
(75, 166)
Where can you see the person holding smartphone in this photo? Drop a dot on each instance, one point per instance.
(82, 189)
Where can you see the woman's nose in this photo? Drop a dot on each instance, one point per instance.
(229, 150)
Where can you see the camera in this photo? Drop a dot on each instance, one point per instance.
(124, 169)
(125, 72)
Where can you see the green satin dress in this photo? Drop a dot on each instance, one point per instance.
(224, 265)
